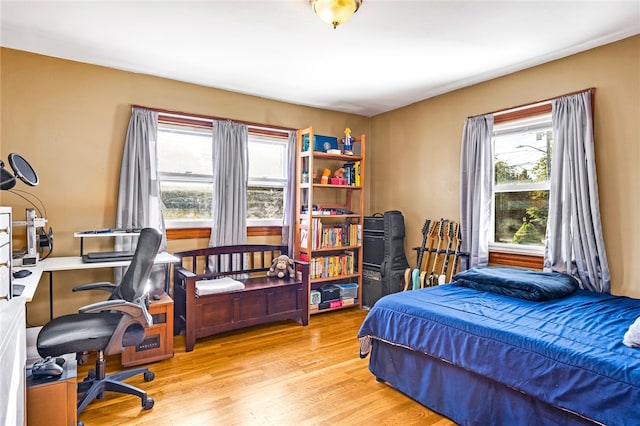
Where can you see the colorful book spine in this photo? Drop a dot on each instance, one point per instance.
(332, 266)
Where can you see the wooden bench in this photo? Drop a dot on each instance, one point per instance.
(263, 300)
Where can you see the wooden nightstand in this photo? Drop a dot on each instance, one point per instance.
(53, 401)
(158, 342)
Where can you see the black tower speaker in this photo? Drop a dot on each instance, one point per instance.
(384, 260)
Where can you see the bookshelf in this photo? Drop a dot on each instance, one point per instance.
(330, 216)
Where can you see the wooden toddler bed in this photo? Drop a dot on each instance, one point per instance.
(204, 307)
(479, 355)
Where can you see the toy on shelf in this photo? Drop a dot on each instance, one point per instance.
(338, 177)
(325, 176)
(348, 140)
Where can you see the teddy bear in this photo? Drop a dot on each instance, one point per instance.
(281, 267)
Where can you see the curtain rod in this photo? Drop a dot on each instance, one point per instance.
(211, 117)
(591, 89)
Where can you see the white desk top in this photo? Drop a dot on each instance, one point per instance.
(53, 264)
(30, 283)
(75, 262)
(105, 233)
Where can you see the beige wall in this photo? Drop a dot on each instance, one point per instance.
(69, 121)
(414, 162)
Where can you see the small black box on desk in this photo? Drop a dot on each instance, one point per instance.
(329, 292)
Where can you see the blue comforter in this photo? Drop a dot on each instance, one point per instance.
(567, 352)
(521, 283)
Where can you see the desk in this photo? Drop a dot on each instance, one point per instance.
(53, 264)
(102, 234)
(30, 283)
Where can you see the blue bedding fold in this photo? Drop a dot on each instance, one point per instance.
(520, 283)
(567, 352)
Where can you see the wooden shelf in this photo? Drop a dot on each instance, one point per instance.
(337, 216)
(311, 226)
(335, 278)
(322, 311)
(335, 186)
(326, 156)
(329, 249)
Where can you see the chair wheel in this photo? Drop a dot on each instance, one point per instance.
(149, 376)
(147, 403)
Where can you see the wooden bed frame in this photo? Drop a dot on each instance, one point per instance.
(263, 300)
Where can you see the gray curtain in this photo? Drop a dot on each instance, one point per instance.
(230, 184)
(574, 240)
(476, 188)
(139, 202)
(290, 196)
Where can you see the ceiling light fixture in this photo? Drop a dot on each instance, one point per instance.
(335, 12)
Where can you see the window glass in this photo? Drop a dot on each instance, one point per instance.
(265, 203)
(522, 159)
(185, 166)
(267, 179)
(267, 158)
(185, 201)
(184, 150)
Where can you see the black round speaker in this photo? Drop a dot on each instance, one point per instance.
(23, 169)
(7, 180)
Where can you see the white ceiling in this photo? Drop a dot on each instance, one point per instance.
(390, 54)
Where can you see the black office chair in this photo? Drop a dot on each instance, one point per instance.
(108, 327)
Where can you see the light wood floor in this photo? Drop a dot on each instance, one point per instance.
(278, 374)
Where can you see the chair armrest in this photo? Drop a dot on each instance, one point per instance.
(183, 272)
(105, 286)
(119, 305)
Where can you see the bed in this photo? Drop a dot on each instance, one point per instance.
(478, 357)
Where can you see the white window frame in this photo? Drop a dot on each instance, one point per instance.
(518, 126)
(253, 181)
(271, 182)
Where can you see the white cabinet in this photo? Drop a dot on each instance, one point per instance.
(5, 253)
(13, 358)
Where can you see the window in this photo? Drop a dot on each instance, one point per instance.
(186, 175)
(522, 159)
(268, 178)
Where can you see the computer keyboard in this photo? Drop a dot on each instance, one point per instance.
(111, 256)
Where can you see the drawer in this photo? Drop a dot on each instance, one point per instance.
(5, 228)
(5, 221)
(5, 253)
